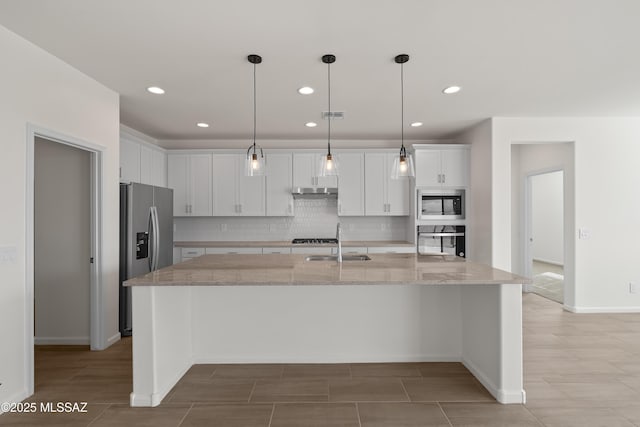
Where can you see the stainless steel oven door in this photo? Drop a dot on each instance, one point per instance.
(441, 240)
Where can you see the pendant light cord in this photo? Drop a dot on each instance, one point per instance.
(329, 113)
(402, 104)
(254, 108)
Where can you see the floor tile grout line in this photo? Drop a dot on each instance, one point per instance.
(358, 414)
(405, 390)
(273, 410)
(255, 382)
(444, 413)
(186, 414)
(100, 414)
(533, 415)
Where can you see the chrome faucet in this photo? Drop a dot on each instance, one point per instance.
(339, 239)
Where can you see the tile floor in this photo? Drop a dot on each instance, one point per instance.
(580, 370)
(548, 280)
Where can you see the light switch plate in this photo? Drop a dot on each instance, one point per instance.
(8, 254)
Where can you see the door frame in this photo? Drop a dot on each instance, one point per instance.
(96, 317)
(527, 223)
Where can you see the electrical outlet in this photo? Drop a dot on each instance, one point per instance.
(223, 227)
(633, 288)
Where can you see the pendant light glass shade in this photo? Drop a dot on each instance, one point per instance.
(402, 166)
(254, 164)
(329, 163)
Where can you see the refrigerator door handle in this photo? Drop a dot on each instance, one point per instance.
(152, 239)
(156, 238)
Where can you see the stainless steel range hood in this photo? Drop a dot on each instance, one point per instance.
(314, 192)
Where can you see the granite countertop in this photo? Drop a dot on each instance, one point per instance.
(278, 270)
(286, 244)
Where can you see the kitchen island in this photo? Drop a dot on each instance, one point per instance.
(287, 309)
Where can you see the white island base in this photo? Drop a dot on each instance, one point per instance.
(177, 326)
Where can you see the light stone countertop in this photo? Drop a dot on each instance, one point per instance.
(279, 270)
(286, 244)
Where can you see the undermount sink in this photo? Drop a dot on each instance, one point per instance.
(335, 258)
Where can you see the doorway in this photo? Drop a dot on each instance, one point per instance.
(544, 211)
(62, 244)
(96, 336)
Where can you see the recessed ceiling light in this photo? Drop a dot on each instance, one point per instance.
(155, 89)
(451, 89)
(305, 90)
(416, 124)
(202, 125)
(311, 124)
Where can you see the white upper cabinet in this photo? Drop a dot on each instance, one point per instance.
(306, 171)
(190, 177)
(442, 166)
(129, 161)
(384, 196)
(351, 184)
(235, 194)
(279, 181)
(139, 162)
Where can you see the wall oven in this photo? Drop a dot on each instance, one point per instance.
(440, 204)
(441, 240)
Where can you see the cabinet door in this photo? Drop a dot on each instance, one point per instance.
(225, 184)
(158, 168)
(351, 184)
(146, 165)
(304, 169)
(428, 168)
(398, 192)
(251, 192)
(455, 167)
(375, 184)
(200, 184)
(129, 161)
(279, 181)
(178, 179)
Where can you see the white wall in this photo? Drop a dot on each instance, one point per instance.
(40, 89)
(547, 217)
(606, 153)
(479, 209)
(62, 240)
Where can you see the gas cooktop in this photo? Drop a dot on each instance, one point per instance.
(315, 241)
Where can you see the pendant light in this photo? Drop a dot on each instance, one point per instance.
(329, 164)
(254, 163)
(402, 163)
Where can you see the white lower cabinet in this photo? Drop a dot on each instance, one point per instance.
(312, 251)
(392, 250)
(255, 251)
(188, 253)
(351, 250)
(276, 250)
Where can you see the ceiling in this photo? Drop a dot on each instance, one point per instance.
(511, 57)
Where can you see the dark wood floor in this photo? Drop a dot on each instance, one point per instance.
(580, 370)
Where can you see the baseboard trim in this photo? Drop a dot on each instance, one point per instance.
(559, 264)
(114, 339)
(501, 395)
(155, 399)
(241, 359)
(603, 310)
(61, 341)
(18, 397)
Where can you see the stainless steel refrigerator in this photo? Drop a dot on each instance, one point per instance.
(146, 237)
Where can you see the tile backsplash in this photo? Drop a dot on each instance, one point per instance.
(313, 218)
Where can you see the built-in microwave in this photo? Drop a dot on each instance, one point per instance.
(441, 240)
(440, 204)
